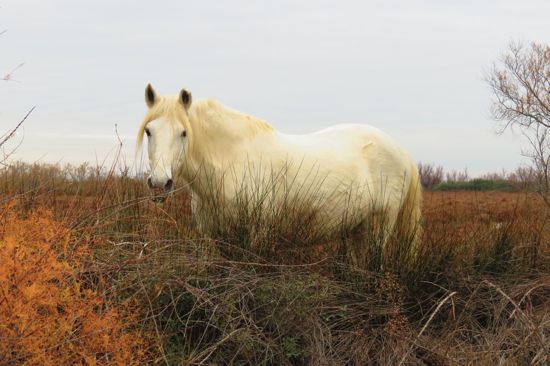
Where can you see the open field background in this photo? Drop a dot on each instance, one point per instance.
(93, 272)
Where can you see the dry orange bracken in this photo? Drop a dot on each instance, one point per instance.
(48, 316)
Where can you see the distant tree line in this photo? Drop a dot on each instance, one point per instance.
(434, 177)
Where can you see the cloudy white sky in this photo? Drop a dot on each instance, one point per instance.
(413, 68)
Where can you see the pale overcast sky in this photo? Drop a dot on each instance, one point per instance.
(412, 68)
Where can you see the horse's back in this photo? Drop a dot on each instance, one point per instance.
(366, 146)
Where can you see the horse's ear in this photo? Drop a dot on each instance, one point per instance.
(150, 95)
(185, 98)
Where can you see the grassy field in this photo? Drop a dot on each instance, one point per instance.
(93, 272)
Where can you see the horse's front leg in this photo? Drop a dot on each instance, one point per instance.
(196, 210)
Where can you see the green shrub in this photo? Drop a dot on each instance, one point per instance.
(476, 185)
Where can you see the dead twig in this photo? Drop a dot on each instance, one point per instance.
(9, 75)
(8, 136)
(426, 326)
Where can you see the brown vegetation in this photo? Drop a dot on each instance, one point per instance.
(139, 283)
(49, 313)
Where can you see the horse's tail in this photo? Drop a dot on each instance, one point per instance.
(410, 213)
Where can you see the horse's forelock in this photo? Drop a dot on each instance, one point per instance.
(168, 107)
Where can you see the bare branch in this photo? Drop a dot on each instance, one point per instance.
(520, 84)
(10, 134)
(9, 75)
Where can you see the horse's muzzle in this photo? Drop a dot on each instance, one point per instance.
(159, 194)
(158, 199)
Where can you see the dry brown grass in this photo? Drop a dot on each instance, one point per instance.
(478, 293)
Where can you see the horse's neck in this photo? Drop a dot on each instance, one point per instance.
(202, 164)
(220, 134)
(223, 141)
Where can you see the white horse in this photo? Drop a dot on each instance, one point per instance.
(348, 170)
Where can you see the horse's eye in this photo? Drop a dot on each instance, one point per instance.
(184, 134)
(147, 132)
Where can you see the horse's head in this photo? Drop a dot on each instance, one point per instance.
(166, 126)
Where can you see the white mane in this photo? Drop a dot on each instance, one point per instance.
(206, 119)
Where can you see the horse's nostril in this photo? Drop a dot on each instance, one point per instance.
(150, 183)
(168, 185)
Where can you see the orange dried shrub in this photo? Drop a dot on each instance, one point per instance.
(47, 315)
